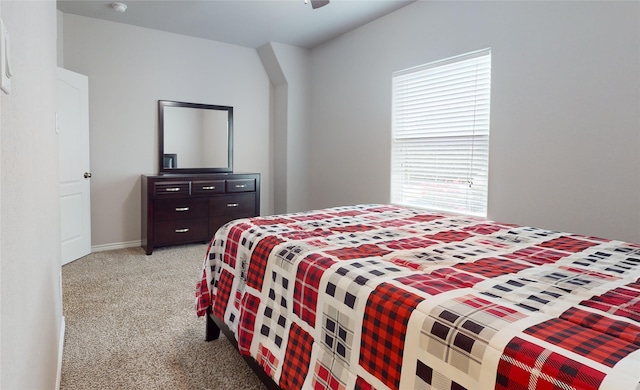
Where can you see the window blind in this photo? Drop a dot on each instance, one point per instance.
(440, 134)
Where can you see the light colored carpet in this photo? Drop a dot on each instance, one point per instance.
(131, 324)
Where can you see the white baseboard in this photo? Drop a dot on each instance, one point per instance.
(116, 245)
(60, 349)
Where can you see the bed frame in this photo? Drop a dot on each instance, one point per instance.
(213, 328)
(443, 255)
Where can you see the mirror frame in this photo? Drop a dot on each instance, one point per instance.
(169, 103)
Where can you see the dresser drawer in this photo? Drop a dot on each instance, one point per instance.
(241, 185)
(170, 209)
(181, 231)
(189, 208)
(240, 205)
(207, 187)
(171, 189)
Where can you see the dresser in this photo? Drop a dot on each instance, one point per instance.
(185, 208)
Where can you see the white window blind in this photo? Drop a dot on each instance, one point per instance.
(440, 130)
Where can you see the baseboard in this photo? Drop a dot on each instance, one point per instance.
(116, 245)
(60, 349)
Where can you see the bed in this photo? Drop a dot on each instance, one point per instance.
(386, 297)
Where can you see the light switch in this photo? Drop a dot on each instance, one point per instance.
(5, 58)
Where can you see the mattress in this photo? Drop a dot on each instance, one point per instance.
(386, 297)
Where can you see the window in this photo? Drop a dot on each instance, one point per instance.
(440, 135)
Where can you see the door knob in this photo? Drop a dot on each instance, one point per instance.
(87, 175)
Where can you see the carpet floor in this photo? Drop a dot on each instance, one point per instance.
(131, 324)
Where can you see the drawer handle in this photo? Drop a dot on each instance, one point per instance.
(182, 230)
(209, 188)
(173, 189)
(232, 205)
(182, 209)
(240, 185)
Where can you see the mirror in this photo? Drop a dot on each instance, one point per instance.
(195, 138)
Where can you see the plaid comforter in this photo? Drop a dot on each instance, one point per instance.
(382, 297)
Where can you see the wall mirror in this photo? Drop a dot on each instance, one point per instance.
(195, 138)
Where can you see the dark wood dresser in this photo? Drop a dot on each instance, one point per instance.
(184, 208)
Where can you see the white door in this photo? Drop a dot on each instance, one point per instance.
(73, 136)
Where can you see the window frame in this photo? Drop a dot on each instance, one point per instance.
(440, 123)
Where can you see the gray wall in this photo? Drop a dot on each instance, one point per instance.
(287, 67)
(565, 117)
(565, 145)
(129, 69)
(31, 307)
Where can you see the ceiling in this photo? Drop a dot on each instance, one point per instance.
(250, 23)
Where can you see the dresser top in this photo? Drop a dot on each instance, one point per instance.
(192, 176)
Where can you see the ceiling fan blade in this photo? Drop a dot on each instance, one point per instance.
(318, 3)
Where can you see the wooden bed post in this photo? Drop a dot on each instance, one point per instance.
(214, 325)
(212, 330)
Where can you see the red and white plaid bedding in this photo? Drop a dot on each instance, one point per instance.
(383, 297)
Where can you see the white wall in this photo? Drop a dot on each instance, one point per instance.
(565, 116)
(129, 69)
(31, 307)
